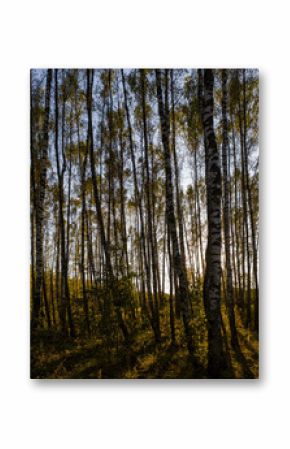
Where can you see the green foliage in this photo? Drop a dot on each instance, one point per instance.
(115, 291)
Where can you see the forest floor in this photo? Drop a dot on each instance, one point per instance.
(55, 357)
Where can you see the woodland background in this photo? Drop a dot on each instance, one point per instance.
(144, 223)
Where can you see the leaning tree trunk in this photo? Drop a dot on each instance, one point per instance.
(178, 266)
(212, 282)
(65, 293)
(177, 187)
(226, 215)
(104, 242)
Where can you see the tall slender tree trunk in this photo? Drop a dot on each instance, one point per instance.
(212, 282)
(226, 215)
(177, 186)
(32, 194)
(171, 306)
(104, 242)
(237, 225)
(125, 259)
(39, 205)
(151, 249)
(197, 194)
(83, 167)
(170, 214)
(246, 265)
(65, 293)
(251, 213)
(138, 201)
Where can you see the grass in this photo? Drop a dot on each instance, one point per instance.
(55, 357)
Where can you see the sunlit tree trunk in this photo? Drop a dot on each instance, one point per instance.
(151, 249)
(65, 293)
(39, 204)
(83, 166)
(226, 214)
(138, 200)
(170, 214)
(124, 258)
(177, 186)
(251, 213)
(104, 242)
(212, 282)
